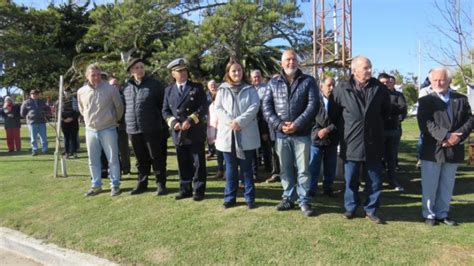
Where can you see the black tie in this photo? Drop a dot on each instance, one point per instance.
(181, 87)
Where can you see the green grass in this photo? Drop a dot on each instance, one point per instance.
(146, 229)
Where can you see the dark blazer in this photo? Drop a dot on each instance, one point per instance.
(398, 108)
(321, 121)
(191, 106)
(435, 124)
(360, 127)
(143, 106)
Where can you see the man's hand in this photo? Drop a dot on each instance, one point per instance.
(185, 126)
(234, 125)
(452, 139)
(323, 133)
(68, 120)
(177, 126)
(265, 137)
(289, 128)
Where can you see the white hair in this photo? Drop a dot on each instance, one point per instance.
(255, 71)
(92, 67)
(443, 69)
(356, 60)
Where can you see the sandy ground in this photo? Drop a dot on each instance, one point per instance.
(8, 258)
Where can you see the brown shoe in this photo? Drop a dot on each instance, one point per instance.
(219, 174)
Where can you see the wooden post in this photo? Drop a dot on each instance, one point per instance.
(57, 154)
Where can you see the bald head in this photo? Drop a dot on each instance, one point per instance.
(289, 63)
(361, 68)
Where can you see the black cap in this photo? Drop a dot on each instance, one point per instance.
(133, 62)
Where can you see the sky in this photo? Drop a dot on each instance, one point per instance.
(388, 32)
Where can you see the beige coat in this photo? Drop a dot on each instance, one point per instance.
(101, 107)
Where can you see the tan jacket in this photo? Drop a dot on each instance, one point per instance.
(101, 107)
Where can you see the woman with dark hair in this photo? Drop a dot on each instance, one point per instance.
(237, 104)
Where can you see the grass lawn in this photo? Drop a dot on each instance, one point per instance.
(146, 229)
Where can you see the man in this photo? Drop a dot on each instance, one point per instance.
(184, 109)
(392, 130)
(36, 112)
(359, 108)
(124, 150)
(101, 106)
(445, 121)
(289, 106)
(266, 148)
(143, 103)
(324, 146)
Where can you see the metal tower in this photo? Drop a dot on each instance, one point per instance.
(332, 36)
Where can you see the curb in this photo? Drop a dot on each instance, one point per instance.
(48, 254)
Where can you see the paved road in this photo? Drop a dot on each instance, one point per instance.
(8, 258)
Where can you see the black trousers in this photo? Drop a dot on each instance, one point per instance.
(192, 168)
(147, 148)
(70, 132)
(124, 150)
(275, 160)
(164, 150)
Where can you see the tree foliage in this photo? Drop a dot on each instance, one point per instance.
(37, 45)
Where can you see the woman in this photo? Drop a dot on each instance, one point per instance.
(70, 124)
(11, 114)
(237, 104)
(212, 130)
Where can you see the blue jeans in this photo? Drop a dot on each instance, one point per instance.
(232, 176)
(35, 130)
(105, 139)
(293, 152)
(328, 156)
(437, 183)
(373, 185)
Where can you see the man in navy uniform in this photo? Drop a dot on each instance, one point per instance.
(184, 109)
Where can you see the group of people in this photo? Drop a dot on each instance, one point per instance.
(295, 123)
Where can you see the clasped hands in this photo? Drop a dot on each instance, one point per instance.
(451, 140)
(182, 126)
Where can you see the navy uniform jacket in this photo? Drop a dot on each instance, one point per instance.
(191, 106)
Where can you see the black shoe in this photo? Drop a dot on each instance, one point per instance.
(183, 195)
(349, 215)
(198, 197)
(374, 218)
(307, 210)
(251, 205)
(161, 189)
(138, 190)
(228, 205)
(431, 222)
(126, 172)
(329, 193)
(448, 221)
(285, 205)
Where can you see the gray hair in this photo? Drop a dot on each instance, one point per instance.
(356, 60)
(255, 71)
(211, 81)
(291, 52)
(93, 67)
(443, 69)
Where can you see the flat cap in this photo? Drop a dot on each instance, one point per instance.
(177, 64)
(132, 62)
